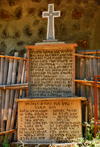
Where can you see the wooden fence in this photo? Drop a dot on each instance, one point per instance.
(13, 84)
(87, 66)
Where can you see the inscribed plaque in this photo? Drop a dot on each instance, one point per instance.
(49, 121)
(51, 71)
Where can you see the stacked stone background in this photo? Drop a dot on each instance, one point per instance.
(21, 23)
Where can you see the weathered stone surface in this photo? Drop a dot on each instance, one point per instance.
(28, 31)
(0, 25)
(40, 12)
(31, 11)
(41, 32)
(20, 43)
(17, 34)
(68, 1)
(0, 4)
(50, 1)
(77, 13)
(63, 13)
(11, 53)
(85, 1)
(87, 20)
(4, 15)
(13, 2)
(56, 30)
(36, 0)
(76, 27)
(3, 46)
(63, 29)
(84, 43)
(92, 13)
(18, 13)
(58, 2)
(36, 22)
(5, 34)
(55, 120)
(21, 53)
(98, 2)
(78, 1)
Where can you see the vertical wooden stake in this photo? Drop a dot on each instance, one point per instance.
(12, 91)
(1, 82)
(8, 91)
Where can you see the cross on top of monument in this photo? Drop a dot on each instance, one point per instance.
(50, 14)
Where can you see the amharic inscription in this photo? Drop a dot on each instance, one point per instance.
(49, 121)
(51, 73)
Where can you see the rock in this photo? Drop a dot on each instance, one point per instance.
(98, 2)
(63, 29)
(63, 13)
(84, 43)
(76, 27)
(17, 34)
(28, 31)
(40, 12)
(36, 22)
(41, 32)
(36, 0)
(58, 2)
(68, 1)
(78, 1)
(20, 43)
(21, 52)
(12, 2)
(4, 15)
(31, 11)
(77, 13)
(3, 46)
(5, 34)
(50, 1)
(18, 13)
(11, 53)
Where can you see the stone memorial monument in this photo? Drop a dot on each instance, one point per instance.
(51, 113)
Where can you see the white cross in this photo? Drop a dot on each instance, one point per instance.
(50, 14)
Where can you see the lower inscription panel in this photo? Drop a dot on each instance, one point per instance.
(49, 120)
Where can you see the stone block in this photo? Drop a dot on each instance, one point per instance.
(77, 13)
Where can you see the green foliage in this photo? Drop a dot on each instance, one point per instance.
(5, 141)
(90, 140)
(90, 130)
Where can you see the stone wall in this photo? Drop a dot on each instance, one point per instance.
(21, 23)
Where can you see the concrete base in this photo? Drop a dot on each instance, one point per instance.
(49, 42)
(15, 144)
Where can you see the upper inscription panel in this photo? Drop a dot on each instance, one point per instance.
(51, 71)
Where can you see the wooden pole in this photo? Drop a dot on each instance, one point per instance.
(15, 134)
(12, 91)
(20, 93)
(8, 91)
(98, 95)
(22, 76)
(25, 78)
(16, 96)
(1, 82)
(3, 93)
(77, 76)
(3, 108)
